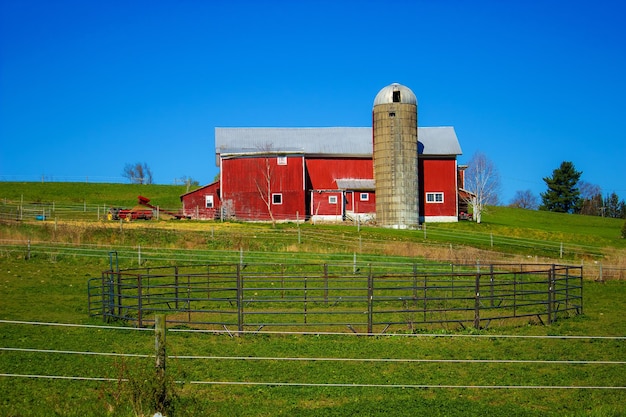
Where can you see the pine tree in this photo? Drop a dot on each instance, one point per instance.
(614, 207)
(562, 194)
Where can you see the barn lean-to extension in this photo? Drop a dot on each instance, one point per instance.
(409, 173)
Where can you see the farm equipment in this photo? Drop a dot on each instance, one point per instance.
(143, 211)
(144, 201)
(118, 213)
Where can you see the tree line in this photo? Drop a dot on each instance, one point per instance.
(567, 193)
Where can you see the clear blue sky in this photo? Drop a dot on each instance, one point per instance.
(89, 86)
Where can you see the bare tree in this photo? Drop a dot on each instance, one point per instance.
(525, 199)
(264, 185)
(590, 201)
(483, 181)
(138, 173)
(188, 181)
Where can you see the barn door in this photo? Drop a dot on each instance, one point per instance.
(349, 201)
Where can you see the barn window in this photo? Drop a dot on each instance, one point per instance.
(332, 199)
(277, 199)
(396, 97)
(365, 196)
(392, 114)
(281, 160)
(209, 201)
(434, 197)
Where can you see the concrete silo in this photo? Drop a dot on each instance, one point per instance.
(395, 157)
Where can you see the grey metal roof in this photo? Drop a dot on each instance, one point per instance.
(332, 141)
(308, 140)
(385, 95)
(355, 184)
(434, 141)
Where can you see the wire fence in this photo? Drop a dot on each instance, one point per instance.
(185, 361)
(346, 250)
(52, 212)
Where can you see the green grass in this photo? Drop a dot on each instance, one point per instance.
(46, 291)
(542, 224)
(123, 195)
(52, 287)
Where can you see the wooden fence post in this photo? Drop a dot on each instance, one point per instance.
(160, 352)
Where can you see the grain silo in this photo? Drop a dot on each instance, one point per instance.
(395, 157)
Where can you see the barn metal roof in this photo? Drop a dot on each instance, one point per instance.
(356, 184)
(330, 141)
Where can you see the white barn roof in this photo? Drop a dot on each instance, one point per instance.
(329, 141)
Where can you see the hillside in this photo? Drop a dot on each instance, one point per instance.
(504, 230)
(67, 193)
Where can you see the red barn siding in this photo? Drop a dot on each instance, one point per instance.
(245, 178)
(356, 205)
(323, 172)
(195, 202)
(321, 205)
(438, 176)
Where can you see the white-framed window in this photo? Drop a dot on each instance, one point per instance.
(332, 199)
(364, 196)
(434, 197)
(208, 201)
(281, 160)
(277, 199)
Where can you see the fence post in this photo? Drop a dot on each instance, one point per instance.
(326, 283)
(239, 299)
(139, 302)
(298, 226)
(550, 293)
(491, 284)
(370, 300)
(567, 289)
(514, 294)
(581, 289)
(415, 285)
(160, 352)
(305, 299)
(176, 288)
(477, 302)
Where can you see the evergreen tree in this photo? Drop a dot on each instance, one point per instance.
(562, 194)
(613, 207)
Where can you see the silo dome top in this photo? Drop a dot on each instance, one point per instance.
(395, 93)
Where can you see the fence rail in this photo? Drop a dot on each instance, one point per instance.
(370, 299)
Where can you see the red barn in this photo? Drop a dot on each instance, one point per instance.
(287, 174)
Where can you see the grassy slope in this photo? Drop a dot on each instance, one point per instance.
(532, 224)
(124, 195)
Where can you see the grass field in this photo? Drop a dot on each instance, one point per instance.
(574, 367)
(392, 375)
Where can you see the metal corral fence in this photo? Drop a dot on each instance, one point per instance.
(319, 297)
